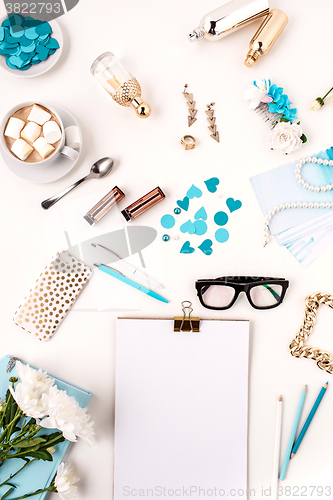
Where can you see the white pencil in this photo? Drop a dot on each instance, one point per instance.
(277, 447)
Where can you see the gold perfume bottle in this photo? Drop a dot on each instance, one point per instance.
(266, 36)
(119, 83)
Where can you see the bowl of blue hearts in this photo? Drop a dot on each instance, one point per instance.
(29, 47)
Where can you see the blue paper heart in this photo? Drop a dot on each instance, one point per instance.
(187, 227)
(184, 203)
(186, 248)
(201, 214)
(200, 227)
(233, 204)
(194, 192)
(212, 184)
(206, 247)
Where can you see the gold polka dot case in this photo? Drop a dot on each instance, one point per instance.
(55, 292)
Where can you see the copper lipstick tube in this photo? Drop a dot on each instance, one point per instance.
(140, 206)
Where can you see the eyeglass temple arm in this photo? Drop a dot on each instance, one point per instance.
(273, 292)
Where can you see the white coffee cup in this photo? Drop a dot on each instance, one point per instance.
(63, 150)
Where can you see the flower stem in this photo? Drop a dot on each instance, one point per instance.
(17, 472)
(328, 93)
(50, 488)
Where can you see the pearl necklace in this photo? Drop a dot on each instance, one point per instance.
(304, 184)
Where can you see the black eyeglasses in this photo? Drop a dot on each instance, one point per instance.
(221, 293)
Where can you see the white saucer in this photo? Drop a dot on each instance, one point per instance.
(42, 67)
(40, 174)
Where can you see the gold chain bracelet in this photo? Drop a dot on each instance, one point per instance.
(298, 347)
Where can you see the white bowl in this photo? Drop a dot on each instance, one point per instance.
(42, 67)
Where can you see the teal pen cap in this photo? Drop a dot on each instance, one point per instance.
(157, 296)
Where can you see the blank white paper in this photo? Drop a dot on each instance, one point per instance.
(181, 413)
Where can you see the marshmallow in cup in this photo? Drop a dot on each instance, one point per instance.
(60, 150)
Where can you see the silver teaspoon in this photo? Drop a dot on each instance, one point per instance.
(99, 169)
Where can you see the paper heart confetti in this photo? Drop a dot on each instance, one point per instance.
(212, 184)
(194, 192)
(184, 203)
(200, 227)
(233, 205)
(201, 214)
(187, 227)
(186, 248)
(206, 247)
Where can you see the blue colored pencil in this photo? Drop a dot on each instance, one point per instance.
(293, 434)
(308, 420)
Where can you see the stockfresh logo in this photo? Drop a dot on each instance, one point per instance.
(43, 11)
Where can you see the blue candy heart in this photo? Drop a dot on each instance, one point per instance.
(184, 203)
(212, 184)
(200, 227)
(187, 227)
(206, 247)
(233, 204)
(194, 192)
(201, 214)
(186, 248)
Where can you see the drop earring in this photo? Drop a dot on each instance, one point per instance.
(211, 120)
(191, 106)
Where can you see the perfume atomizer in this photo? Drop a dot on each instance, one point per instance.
(236, 14)
(228, 18)
(266, 36)
(119, 83)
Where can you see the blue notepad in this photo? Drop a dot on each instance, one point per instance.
(39, 474)
(279, 185)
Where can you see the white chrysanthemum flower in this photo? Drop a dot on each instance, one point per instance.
(286, 137)
(65, 480)
(66, 415)
(257, 93)
(31, 392)
(40, 381)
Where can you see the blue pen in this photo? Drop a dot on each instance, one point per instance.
(121, 277)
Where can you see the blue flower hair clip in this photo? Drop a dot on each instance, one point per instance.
(274, 107)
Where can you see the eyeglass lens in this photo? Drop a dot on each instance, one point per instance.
(222, 295)
(217, 295)
(266, 295)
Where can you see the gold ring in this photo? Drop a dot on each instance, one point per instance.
(188, 142)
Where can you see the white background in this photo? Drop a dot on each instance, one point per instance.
(150, 39)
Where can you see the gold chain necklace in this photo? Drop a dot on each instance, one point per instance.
(298, 347)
